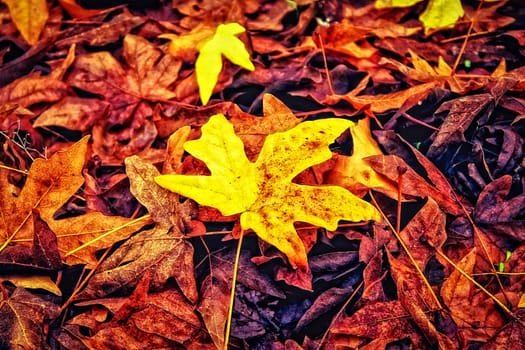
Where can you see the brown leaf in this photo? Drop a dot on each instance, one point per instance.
(417, 299)
(22, 320)
(499, 209)
(161, 253)
(32, 89)
(74, 113)
(147, 77)
(383, 102)
(253, 130)
(107, 33)
(162, 204)
(509, 337)
(425, 233)
(463, 110)
(412, 184)
(160, 320)
(49, 185)
(376, 325)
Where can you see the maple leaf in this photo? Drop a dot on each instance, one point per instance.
(439, 14)
(22, 316)
(263, 191)
(49, 185)
(162, 251)
(146, 77)
(29, 16)
(211, 48)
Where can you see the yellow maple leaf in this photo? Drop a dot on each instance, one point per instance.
(209, 63)
(263, 191)
(211, 46)
(29, 16)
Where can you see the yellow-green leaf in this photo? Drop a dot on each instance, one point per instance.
(29, 16)
(381, 4)
(441, 14)
(209, 63)
(263, 191)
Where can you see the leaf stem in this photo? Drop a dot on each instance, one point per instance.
(13, 169)
(96, 239)
(232, 294)
(407, 251)
(476, 283)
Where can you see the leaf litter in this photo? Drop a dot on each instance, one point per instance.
(405, 116)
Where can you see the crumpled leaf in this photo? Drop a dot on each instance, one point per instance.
(22, 317)
(50, 184)
(262, 191)
(29, 16)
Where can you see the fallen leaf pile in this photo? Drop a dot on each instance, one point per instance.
(280, 174)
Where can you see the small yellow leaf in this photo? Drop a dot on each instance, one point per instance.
(441, 14)
(263, 191)
(209, 63)
(29, 16)
(381, 4)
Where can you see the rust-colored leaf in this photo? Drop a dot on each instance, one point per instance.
(22, 317)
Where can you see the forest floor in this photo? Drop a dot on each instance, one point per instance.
(355, 172)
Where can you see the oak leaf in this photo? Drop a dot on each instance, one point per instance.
(263, 191)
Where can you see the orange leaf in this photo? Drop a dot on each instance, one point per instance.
(49, 185)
